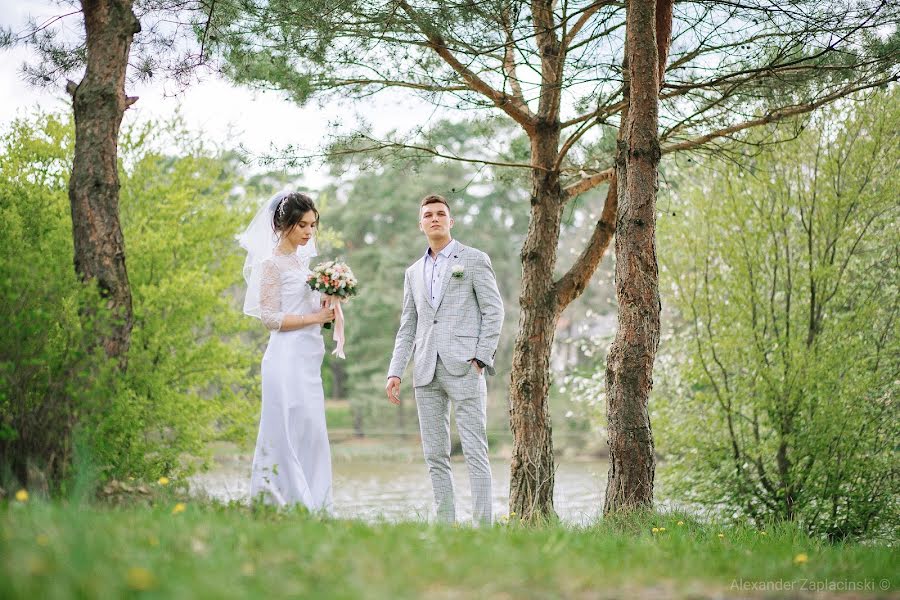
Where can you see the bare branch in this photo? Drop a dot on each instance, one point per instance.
(572, 139)
(205, 37)
(582, 20)
(596, 36)
(775, 115)
(32, 31)
(511, 105)
(588, 182)
(572, 284)
(509, 60)
(378, 145)
(599, 113)
(393, 83)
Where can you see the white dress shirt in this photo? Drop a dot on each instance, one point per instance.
(434, 270)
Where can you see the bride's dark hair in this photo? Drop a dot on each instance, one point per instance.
(289, 209)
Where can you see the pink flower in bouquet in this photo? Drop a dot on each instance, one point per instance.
(333, 279)
(336, 282)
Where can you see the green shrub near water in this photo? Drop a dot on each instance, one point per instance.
(188, 379)
(780, 393)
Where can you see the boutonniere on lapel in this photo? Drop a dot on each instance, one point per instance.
(457, 271)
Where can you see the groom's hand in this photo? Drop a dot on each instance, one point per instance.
(393, 390)
(478, 365)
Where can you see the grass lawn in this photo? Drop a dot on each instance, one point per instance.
(161, 548)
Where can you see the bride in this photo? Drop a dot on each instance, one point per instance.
(292, 461)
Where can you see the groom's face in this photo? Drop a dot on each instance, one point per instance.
(435, 220)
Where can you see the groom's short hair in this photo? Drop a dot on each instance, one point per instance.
(434, 199)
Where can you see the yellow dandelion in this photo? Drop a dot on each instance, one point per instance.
(721, 535)
(163, 481)
(655, 530)
(662, 528)
(512, 514)
(22, 495)
(801, 559)
(179, 508)
(763, 533)
(42, 539)
(141, 579)
(681, 522)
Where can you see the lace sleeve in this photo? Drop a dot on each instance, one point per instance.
(270, 296)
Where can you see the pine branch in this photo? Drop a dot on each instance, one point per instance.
(375, 145)
(776, 115)
(512, 106)
(572, 284)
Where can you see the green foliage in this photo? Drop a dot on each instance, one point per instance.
(780, 400)
(189, 377)
(47, 373)
(214, 551)
(189, 363)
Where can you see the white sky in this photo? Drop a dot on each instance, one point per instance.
(229, 116)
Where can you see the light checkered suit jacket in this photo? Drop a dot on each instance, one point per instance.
(465, 325)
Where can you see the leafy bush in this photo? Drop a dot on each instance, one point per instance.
(191, 374)
(782, 400)
(47, 374)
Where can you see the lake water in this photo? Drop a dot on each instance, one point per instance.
(397, 491)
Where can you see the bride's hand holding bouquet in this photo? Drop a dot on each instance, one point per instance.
(336, 282)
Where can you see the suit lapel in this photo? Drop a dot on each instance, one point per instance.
(454, 260)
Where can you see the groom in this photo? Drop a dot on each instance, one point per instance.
(451, 317)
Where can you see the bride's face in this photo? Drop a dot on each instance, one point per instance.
(303, 231)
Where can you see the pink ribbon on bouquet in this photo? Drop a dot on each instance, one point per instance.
(335, 303)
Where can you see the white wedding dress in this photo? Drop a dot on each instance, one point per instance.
(292, 462)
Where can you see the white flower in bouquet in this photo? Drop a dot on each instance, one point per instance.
(336, 282)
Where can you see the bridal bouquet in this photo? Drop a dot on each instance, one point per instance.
(336, 282)
(333, 278)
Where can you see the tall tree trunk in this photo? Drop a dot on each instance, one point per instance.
(532, 468)
(630, 361)
(99, 102)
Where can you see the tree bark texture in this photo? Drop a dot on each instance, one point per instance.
(630, 362)
(532, 469)
(99, 103)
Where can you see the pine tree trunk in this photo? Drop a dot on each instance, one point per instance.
(99, 103)
(532, 469)
(630, 361)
